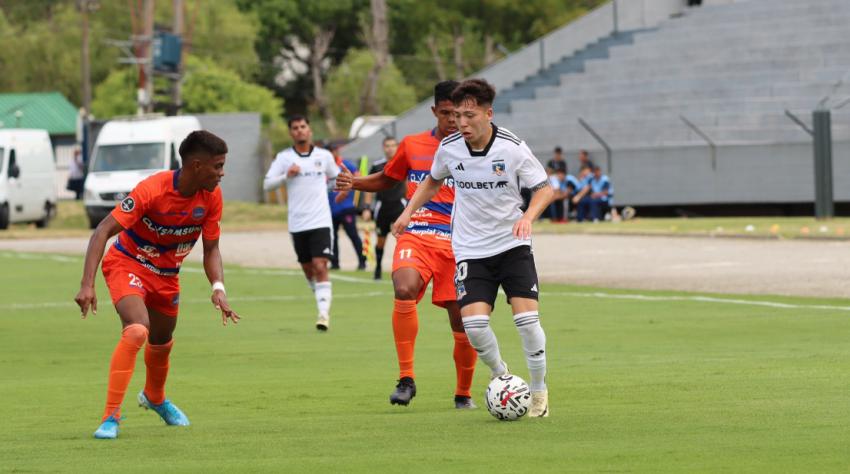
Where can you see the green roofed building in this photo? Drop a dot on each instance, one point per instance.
(49, 111)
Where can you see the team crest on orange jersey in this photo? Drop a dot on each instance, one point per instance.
(128, 204)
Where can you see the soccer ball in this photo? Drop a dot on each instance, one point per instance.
(508, 397)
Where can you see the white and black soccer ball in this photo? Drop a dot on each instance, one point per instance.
(508, 397)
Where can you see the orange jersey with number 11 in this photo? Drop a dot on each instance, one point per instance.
(412, 163)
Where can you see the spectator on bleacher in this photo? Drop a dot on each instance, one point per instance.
(559, 183)
(557, 162)
(584, 160)
(569, 190)
(581, 198)
(600, 194)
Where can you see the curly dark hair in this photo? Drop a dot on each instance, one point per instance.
(443, 91)
(202, 142)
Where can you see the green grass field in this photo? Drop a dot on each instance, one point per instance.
(639, 382)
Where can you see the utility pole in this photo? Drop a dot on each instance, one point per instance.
(85, 7)
(147, 39)
(177, 29)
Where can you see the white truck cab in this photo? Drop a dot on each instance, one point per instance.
(126, 152)
(27, 177)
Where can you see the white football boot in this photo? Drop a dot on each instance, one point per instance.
(539, 404)
(323, 322)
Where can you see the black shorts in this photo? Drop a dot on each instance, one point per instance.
(478, 280)
(385, 214)
(311, 244)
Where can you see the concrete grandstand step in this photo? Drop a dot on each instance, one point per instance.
(673, 109)
(750, 61)
(727, 49)
(698, 24)
(686, 89)
(756, 10)
(551, 76)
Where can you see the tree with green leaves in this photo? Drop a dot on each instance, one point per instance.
(306, 38)
(40, 41)
(347, 81)
(207, 88)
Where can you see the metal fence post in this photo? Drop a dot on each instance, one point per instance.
(616, 17)
(711, 145)
(609, 164)
(824, 203)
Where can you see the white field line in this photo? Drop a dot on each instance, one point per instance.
(232, 299)
(241, 271)
(697, 299)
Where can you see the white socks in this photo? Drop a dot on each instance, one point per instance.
(483, 339)
(312, 284)
(322, 293)
(534, 346)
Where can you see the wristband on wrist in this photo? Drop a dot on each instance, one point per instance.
(217, 285)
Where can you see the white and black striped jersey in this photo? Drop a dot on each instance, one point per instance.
(307, 192)
(487, 191)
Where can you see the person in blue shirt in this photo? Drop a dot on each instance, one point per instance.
(600, 194)
(581, 198)
(344, 213)
(556, 208)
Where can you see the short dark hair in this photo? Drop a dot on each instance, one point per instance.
(297, 118)
(388, 138)
(443, 91)
(478, 90)
(201, 142)
(558, 149)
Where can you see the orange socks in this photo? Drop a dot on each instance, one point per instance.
(156, 360)
(121, 367)
(405, 328)
(465, 358)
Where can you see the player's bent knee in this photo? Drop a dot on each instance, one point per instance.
(406, 291)
(135, 334)
(407, 284)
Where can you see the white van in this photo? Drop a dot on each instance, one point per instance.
(127, 151)
(27, 177)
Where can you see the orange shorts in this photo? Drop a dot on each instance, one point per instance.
(434, 260)
(125, 277)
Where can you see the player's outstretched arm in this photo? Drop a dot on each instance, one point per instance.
(370, 183)
(215, 273)
(86, 298)
(427, 189)
(540, 199)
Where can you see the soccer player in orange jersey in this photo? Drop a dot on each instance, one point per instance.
(159, 223)
(424, 252)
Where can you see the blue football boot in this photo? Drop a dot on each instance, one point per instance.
(108, 429)
(166, 410)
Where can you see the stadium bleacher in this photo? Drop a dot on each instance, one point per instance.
(732, 68)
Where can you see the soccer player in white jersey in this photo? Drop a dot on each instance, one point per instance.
(306, 169)
(490, 234)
